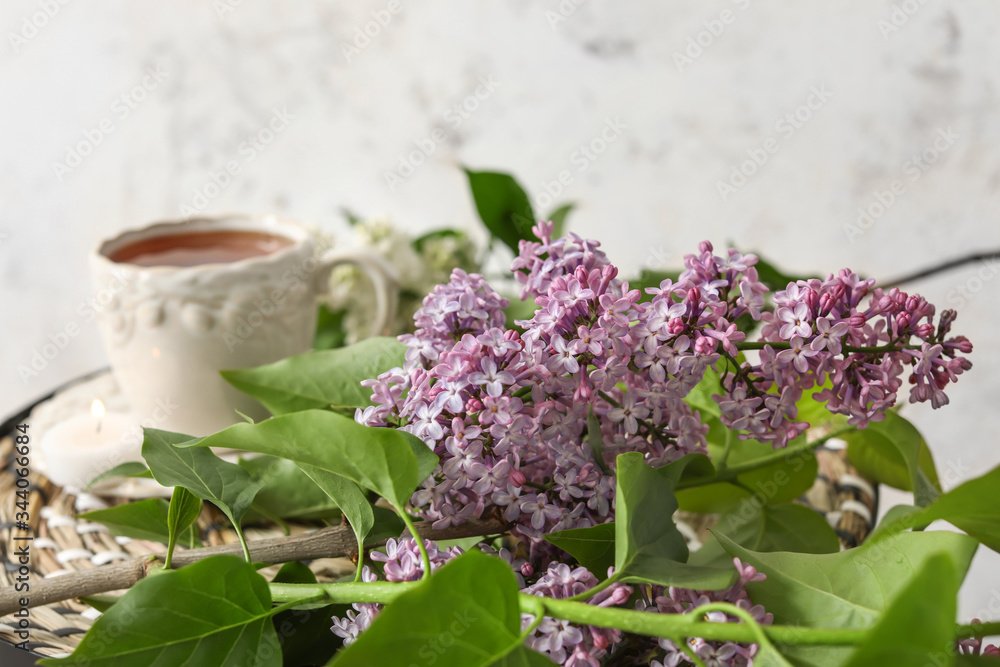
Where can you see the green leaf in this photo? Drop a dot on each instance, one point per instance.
(351, 500)
(127, 469)
(593, 548)
(894, 453)
(182, 513)
(141, 520)
(389, 462)
(522, 656)
(387, 524)
(688, 469)
(889, 521)
(700, 397)
(101, 602)
(503, 206)
(971, 507)
(466, 613)
(330, 332)
(782, 481)
(919, 624)
(213, 612)
(776, 279)
(287, 492)
(850, 589)
(558, 219)
(294, 572)
(648, 546)
(519, 310)
(435, 235)
(226, 485)
(785, 527)
(320, 379)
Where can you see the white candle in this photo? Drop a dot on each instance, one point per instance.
(81, 448)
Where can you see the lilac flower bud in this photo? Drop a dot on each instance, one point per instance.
(705, 246)
(527, 570)
(925, 330)
(857, 320)
(902, 321)
(517, 479)
(676, 326)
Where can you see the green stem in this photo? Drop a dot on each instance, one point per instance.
(420, 543)
(676, 625)
(243, 542)
(978, 630)
(587, 594)
(785, 345)
(638, 622)
(721, 465)
(381, 592)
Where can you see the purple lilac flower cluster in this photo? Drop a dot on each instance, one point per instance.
(679, 601)
(510, 412)
(858, 340)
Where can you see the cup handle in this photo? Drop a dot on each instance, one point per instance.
(379, 271)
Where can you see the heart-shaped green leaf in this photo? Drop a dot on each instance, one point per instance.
(184, 509)
(127, 469)
(226, 485)
(351, 500)
(466, 614)
(779, 482)
(287, 492)
(213, 612)
(850, 589)
(142, 520)
(503, 206)
(320, 379)
(786, 527)
(593, 548)
(893, 452)
(918, 627)
(648, 546)
(389, 462)
(972, 507)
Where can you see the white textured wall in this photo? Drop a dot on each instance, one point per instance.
(651, 196)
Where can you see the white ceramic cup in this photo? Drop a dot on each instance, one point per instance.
(169, 330)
